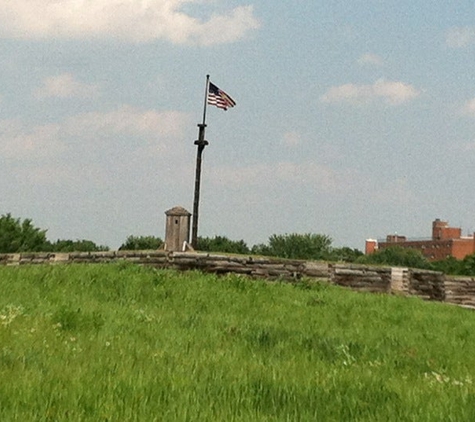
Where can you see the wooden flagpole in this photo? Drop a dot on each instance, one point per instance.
(200, 143)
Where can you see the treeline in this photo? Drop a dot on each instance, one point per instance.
(22, 236)
(291, 246)
(398, 256)
(18, 235)
(319, 247)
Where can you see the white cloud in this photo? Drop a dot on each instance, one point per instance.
(392, 92)
(397, 192)
(65, 86)
(370, 59)
(148, 130)
(468, 147)
(51, 174)
(130, 121)
(469, 108)
(460, 37)
(131, 20)
(291, 139)
(274, 174)
(336, 183)
(20, 143)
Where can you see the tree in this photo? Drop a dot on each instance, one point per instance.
(21, 236)
(397, 256)
(222, 244)
(296, 246)
(345, 254)
(468, 265)
(137, 243)
(76, 246)
(449, 265)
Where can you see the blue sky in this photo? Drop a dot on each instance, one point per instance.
(353, 119)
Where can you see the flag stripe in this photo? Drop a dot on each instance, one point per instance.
(219, 98)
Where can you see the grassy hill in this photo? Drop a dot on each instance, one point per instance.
(127, 343)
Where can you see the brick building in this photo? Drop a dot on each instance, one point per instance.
(445, 241)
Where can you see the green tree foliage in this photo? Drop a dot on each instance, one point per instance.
(76, 246)
(135, 243)
(222, 244)
(21, 236)
(449, 265)
(455, 266)
(296, 246)
(467, 265)
(345, 254)
(414, 259)
(397, 256)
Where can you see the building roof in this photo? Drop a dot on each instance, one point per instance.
(177, 211)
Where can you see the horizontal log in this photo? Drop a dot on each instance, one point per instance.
(153, 260)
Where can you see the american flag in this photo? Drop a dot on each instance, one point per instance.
(219, 98)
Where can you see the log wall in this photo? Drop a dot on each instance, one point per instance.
(428, 285)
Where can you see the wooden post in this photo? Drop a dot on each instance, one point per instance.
(200, 143)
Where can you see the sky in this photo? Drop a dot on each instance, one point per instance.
(353, 119)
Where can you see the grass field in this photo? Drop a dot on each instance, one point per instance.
(127, 343)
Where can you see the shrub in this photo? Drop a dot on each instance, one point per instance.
(141, 243)
(21, 236)
(398, 256)
(222, 244)
(296, 246)
(77, 246)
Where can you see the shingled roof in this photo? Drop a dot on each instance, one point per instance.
(177, 211)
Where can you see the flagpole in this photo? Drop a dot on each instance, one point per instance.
(206, 100)
(200, 143)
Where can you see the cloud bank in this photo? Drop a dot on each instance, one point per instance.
(152, 125)
(159, 130)
(370, 59)
(392, 92)
(21, 143)
(129, 20)
(460, 37)
(469, 108)
(275, 174)
(65, 86)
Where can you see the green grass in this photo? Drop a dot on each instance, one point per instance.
(127, 343)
